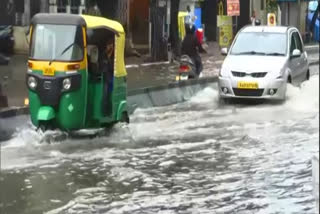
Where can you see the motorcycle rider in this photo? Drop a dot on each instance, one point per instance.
(191, 47)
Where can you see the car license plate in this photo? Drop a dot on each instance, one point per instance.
(248, 85)
(48, 71)
(181, 78)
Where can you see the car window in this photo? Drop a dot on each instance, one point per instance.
(292, 44)
(260, 42)
(298, 41)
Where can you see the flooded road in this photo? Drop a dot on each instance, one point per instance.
(194, 157)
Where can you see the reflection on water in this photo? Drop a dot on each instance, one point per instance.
(194, 157)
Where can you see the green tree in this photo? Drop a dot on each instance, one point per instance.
(272, 6)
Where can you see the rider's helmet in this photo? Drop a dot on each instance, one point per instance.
(257, 22)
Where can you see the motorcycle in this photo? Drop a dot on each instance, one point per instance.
(4, 60)
(187, 69)
(6, 39)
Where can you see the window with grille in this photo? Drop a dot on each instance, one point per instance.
(62, 6)
(75, 6)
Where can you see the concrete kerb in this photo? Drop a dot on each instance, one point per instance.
(315, 62)
(13, 111)
(161, 95)
(169, 94)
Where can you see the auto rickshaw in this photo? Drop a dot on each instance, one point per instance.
(68, 87)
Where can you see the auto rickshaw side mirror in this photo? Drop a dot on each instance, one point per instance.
(224, 51)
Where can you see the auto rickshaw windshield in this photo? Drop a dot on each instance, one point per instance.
(57, 43)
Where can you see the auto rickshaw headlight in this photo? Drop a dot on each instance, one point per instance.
(66, 84)
(32, 82)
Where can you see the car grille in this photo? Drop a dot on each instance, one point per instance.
(238, 74)
(243, 74)
(248, 92)
(259, 75)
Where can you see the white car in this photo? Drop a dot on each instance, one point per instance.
(261, 61)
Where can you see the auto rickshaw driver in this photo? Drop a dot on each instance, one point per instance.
(108, 71)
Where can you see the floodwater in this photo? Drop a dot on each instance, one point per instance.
(195, 157)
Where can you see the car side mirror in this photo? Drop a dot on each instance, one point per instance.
(224, 51)
(296, 53)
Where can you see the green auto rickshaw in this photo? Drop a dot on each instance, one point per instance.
(69, 87)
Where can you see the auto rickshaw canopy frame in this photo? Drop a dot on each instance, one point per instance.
(91, 23)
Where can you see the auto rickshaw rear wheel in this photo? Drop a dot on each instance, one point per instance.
(125, 117)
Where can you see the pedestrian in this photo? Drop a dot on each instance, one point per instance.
(190, 18)
(191, 47)
(253, 17)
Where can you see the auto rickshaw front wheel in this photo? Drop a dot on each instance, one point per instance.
(45, 126)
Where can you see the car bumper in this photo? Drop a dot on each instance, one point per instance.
(264, 90)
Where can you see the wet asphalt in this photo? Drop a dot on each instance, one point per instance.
(200, 156)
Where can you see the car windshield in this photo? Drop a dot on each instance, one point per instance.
(261, 43)
(57, 43)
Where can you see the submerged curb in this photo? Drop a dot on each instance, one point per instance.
(316, 62)
(14, 111)
(132, 95)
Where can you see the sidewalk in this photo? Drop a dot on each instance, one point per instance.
(140, 74)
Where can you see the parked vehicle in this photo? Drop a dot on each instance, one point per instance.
(261, 61)
(6, 39)
(3, 99)
(68, 87)
(187, 69)
(4, 60)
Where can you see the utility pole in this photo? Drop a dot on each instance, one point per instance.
(26, 12)
(299, 15)
(44, 6)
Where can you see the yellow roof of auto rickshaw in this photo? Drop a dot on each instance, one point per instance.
(97, 22)
(82, 20)
(182, 14)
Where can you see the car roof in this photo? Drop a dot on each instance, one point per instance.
(268, 29)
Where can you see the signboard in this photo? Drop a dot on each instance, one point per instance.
(225, 30)
(225, 35)
(233, 7)
(224, 20)
(271, 19)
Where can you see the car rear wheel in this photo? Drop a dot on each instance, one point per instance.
(308, 75)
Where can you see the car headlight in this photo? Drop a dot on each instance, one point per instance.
(280, 74)
(32, 82)
(223, 72)
(66, 84)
